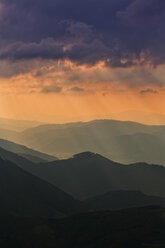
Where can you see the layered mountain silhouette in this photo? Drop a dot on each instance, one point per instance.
(88, 174)
(122, 141)
(36, 183)
(26, 152)
(139, 116)
(123, 199)
(83, 176)
(17, 159)
(24, 194)
(17, 125)
(8, 134)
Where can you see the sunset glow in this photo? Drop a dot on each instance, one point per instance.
(83, 70)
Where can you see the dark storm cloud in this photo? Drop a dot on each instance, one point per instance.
(86, 32)
(144, 14)
(145, 19)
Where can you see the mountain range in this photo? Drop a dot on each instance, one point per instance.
(24, 194)
(85, 182)
(121, 141)
(122, 199)
(148, 118)
(35, 182)
(17, 125)
(88, 174)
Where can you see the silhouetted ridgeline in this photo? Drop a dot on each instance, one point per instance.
(24, 194)
(25, 152)
(87, 175)
(122, 141)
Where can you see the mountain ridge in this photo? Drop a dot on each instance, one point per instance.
(118, 140)
(25, 194)
(88, 174)
(122, 199)
(26, 152)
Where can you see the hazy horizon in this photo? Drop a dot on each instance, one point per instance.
(147, 118)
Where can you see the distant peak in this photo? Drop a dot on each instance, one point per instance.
(85, 155)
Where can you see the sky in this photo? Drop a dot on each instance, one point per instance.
(71, 60)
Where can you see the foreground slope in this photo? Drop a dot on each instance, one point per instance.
(133, 228)
(24, 194)
(87, 175)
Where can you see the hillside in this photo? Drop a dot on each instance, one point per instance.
(26, 152)
(17, 125)
(123, 199)
(138, 228)
(138, 147)
(21, 161)
(24, 194)
(122, 141)
(8, 134)
(88, 175)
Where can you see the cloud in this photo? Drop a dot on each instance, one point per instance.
(77, 89)
(67, 78)
(115, 42)
(51, 89)
(148, 91)
(116, 32)
(145, 19)
(143, 14)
